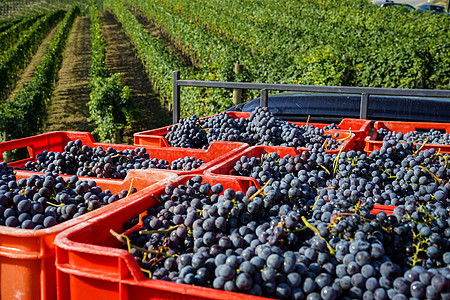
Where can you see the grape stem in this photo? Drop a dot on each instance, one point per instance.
(120, 155)
(441, 156)
(317, 199)
(418, 247)
(436, 179)
(55, 205)
(121, 238)
(258, 192)
(131, 187)
(347, 137)
(157, 199)
(296, 230)
(427, 214)
(424, 142)
(324, 145)
(126, 240)
(316, 231)
(148, 272)
(326, 170)
(336, 160)
(165, 231)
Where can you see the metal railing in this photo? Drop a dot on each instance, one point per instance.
(365, 92)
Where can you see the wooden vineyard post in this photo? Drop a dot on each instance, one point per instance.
(237, 93)
(118, 135)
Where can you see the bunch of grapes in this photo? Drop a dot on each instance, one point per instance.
(82, 160)
(396, 174)
(433, 136)
(261, 243)
(261, 128)
(331, 126)
(42, 201)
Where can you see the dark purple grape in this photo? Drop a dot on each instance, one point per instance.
(244, 282)
(49, 221)
(227, 272)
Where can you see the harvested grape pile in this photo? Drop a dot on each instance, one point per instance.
(261, 128)
(393, 175)
(42, 201)
(433, 136)
(285, 241)
(82, 160)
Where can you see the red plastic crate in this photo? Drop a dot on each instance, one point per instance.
(27, 256)
(155, 137)
(56, 141)
(53, 141)
(388, 209)
(90, 263)
(372, 143)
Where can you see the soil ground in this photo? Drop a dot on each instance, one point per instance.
(121, 58)
(68, 109)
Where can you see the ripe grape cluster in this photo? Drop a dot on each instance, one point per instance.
(433, 136)
(42, 201)
(262, 243)
(82, 160)
(396, 174)
(331, 126)
(261, 128)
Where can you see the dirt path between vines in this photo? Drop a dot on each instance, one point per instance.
(121, 58)
(68, 108)
(27, 74)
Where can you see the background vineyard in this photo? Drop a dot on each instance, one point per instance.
(339, 42)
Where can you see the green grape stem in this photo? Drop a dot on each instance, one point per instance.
(316, 231)
(131, 187)
(347, 137)
(158, 200)
(296, 230)
(436, 179)
(326, 170)
(418, 247)
(258, 192)
(418, 150)
(55, 205)
(165, 231)
(126, 240)
(336, 160)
